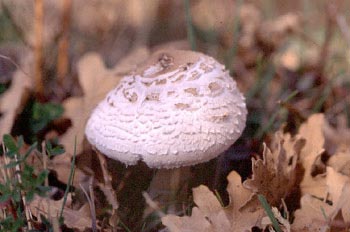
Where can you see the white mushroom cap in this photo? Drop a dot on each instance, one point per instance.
(180, 108)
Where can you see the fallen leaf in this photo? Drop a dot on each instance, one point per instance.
(337, 139)
(79, 219)
(274, 176)
(340, 162)
(312, 216)
(312, 132)
(317, 214)
(339, 192)
(243, 212)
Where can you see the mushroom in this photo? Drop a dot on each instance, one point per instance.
(180, 108)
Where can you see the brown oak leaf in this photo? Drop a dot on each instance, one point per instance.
(275, 175)
(243, 212)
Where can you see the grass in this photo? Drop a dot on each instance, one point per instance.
(190, 28)
(269, 213)
(70, 179)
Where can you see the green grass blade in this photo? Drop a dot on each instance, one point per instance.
(269, 213)
(72, 169)
(190, 30)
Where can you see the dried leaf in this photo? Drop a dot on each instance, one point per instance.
(318, 214)
(243, 212)
(275, 175)
(340, 162)
(79, 219)
(312, 132)
(312, 216)
(339, 192)
(337, 139)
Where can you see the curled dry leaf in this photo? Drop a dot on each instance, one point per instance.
(275, 175)
(243, 212)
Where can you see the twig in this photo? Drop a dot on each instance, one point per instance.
(14, 63)
(26, 210)
(39, 61)
(90, 198)
(92, 206)
(152, 204)
(63, 44)
(107, 188)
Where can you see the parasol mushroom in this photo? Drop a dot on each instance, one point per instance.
(180, 108)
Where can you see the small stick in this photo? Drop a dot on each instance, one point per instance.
(39, 61)
(152, 204)
(93, 209)
(14, 63)
(26, 210)
(91, 199)
(107, 189)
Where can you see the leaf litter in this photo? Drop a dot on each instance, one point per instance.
(287, 164)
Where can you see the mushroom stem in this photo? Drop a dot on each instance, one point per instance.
(170, 185)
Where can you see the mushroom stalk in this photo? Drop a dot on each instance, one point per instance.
(169, 186)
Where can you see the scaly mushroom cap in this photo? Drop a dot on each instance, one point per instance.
(180, 108)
